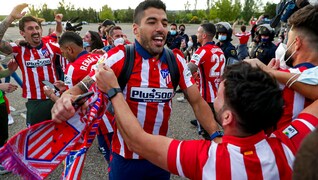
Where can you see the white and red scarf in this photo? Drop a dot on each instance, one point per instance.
(35, 152)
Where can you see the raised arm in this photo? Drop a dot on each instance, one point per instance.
(16, 13)
(309, 91)
(233, 27)
(59, 26)
(201, 109)
(152, 147)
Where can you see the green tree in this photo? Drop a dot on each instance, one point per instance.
(106, 13)
(237, 9)
(46, 13)
(270, 9)
(224, 10)
(249, 9)
(62, 9)
(33, 11)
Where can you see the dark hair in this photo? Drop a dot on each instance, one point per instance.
(253, 96)
(25, 19)
(306, 160)
(243, 28)
(181, 25)
(71, 36)
(97, 42)
(209, 28)
(108, 22)
(306, 20)
(112, 29)
(139, 11)
(174, 24)
(195, 41)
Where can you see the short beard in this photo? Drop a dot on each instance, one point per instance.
(217, 115)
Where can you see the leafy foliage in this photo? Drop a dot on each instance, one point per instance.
(216, 10)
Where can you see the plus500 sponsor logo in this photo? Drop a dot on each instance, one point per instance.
(38, 63)
(150, 94)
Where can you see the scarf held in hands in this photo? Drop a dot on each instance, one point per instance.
(35, 152)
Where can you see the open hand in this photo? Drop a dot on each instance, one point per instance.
(17, 13)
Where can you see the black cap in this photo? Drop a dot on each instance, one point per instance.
(108, 22)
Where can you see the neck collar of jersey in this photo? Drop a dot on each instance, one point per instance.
(210, 42)
(145, 54)
(238, 141)
(81, 54)
(305, 64)
(37, 47)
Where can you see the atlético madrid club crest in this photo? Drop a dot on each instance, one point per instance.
(166, 75)
(44, 137)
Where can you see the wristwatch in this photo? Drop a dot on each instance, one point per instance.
(216, 134)
(112, 92)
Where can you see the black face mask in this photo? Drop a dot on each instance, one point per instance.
(182, 30)
(291, 59)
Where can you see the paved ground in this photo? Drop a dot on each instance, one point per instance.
(95, 166)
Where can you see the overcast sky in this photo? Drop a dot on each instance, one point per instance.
(6, 7)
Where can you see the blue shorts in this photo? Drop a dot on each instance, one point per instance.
(123, 169)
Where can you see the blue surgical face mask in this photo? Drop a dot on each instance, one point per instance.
(86, 44)
(264, 40)
(173, 32)
(222, 38)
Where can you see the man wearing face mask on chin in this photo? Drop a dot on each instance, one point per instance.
(115, 37)
(265, 50)
(224, 35)
(294, 60)
(173, 38)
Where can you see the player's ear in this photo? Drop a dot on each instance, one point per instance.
(136, 29)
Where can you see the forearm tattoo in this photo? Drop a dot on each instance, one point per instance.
(4, 26)
(85, 84)
(5, 47)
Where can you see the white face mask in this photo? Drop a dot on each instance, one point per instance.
(280, 54)
(190, 43)
(309, 76)
(119, 41)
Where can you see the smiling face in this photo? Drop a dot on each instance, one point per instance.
(32, 33)
(152, 31)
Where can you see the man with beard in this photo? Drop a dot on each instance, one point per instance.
(300, 54)
(248, 102)
(36, 59)
(148, 92)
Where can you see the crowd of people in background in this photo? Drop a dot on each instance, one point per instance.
(254, 101)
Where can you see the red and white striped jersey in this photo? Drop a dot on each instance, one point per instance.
(211, 62)
(243, 37)
(37, 64)
(80, 68)
(253, 157)
(50, 38)
(148, 92)
(294, 102)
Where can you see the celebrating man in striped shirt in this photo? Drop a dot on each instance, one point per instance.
(36, 59)
(248, 102)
